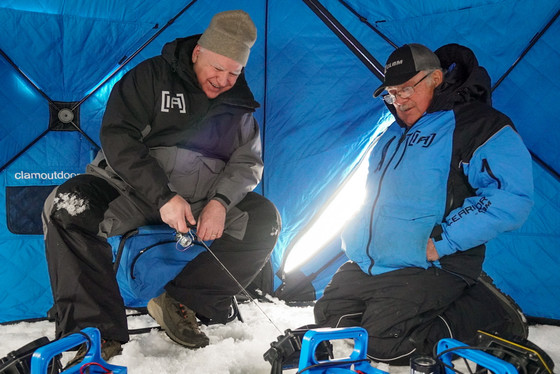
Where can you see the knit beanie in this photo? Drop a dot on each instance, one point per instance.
(231, 34)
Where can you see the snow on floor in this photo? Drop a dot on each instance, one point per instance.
(235, 348)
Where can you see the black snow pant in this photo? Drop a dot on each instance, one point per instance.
(407, 311)
(83, 282)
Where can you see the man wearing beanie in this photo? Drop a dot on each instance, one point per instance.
(180, 146)
(448, 174)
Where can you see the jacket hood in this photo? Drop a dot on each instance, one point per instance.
(178, 54)
(464, 79)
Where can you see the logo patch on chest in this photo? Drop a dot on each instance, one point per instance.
(417, 138)
(173, 101)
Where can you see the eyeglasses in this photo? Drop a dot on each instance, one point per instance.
(403, 93)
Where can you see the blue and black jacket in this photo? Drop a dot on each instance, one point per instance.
(460, 175)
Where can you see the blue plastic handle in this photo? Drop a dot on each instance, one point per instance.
(492, 363)
(313, 338)
(43, 356)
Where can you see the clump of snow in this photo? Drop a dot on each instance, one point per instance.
(73, 204)
(235, 348)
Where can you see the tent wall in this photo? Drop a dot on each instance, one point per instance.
(317, 115)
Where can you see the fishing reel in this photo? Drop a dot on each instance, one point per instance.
(185, 241)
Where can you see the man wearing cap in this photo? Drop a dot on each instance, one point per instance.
(447, 174)
(180, 146)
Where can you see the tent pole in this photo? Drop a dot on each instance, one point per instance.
(23, 151)
(125, 60)
(24, 76)
(122, 63)
(346, 37)
(550, 170)
(364, 20)
(51, 103)
(263, 179)
(531, 44)
(83, 133)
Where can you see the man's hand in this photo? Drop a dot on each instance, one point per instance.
(176, 213)
(431, 252)
(211, 221)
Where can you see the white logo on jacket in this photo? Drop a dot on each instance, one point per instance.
(169, 101)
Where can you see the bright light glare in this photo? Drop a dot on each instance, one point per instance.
(345, 205)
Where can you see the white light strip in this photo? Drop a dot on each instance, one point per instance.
(346, 203)
(341, 209)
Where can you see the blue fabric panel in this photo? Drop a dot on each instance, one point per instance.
(25, 288)
(528, 96)
(77, 43)
(320, 115)
(23, 208)
(21, 104)
(525, 262)
(149, 260)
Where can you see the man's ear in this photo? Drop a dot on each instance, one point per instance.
(437, 77)
(195, 53)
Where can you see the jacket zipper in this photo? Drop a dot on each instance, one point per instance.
(486, 168)
(385, 149)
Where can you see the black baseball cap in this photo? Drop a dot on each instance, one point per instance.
(405, 62)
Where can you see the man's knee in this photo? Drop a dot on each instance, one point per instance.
(344, 314)
(78, 202)
(264, 222)
(319, 312)
(260, 208)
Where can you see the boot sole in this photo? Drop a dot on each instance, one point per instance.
(157, 313)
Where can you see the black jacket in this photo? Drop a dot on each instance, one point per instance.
(161, 135)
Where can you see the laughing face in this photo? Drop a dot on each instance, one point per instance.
(215, 73)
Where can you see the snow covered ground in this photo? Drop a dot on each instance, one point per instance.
(235, 348)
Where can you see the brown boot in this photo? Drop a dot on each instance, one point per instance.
(109, 349)
(178, 321)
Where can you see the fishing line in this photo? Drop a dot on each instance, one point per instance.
(188, 239)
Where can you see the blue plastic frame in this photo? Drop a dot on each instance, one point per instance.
(492, 363)
(313, 338)
(43, 356)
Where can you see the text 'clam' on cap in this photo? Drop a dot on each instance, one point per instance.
(231, 34)
(405, 62)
